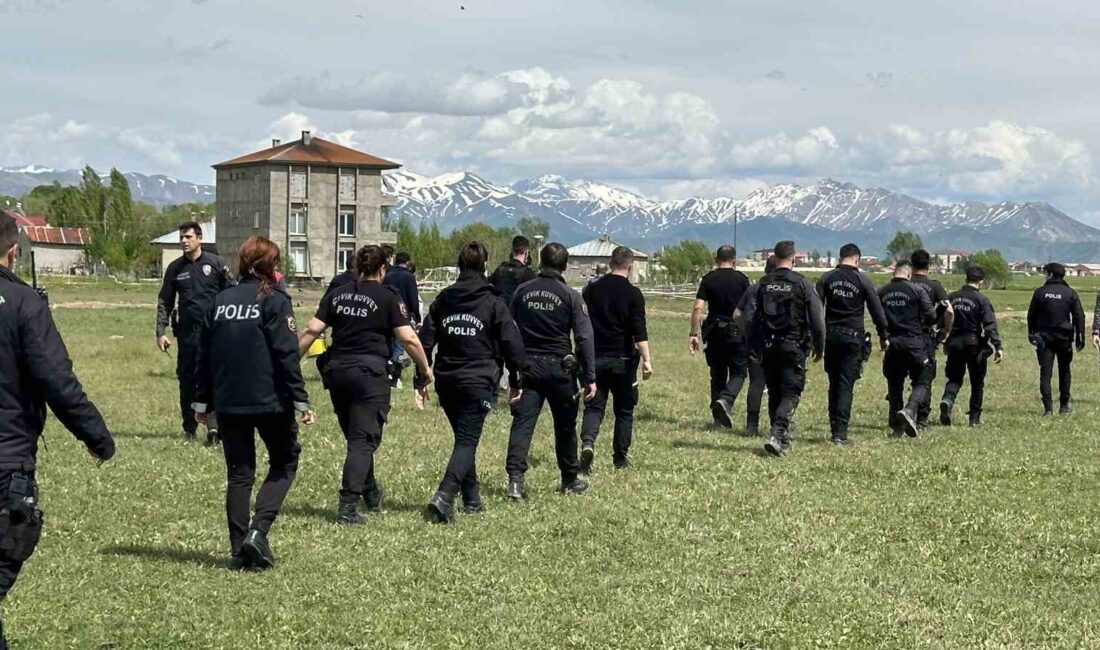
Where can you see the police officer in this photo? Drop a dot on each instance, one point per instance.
(345, 276)
(473, 331)
(36, 372)
(401, 281)
(249, 360)
(788, 321)
(909, 312)
(973, 339)
(845, 292)
(366, 318)
(509, 275)
(617, 310)
(755, 396)
(1055, 324)
(193, 279)
(721, 291)
(936, 333)
(547, 311)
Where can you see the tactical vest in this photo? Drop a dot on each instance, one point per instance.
(782, 307)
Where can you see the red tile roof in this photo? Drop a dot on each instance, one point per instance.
(52, 235)
(317, 152)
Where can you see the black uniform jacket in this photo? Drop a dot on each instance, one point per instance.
(468, 329)
(617, 311)
(909, 309)
(845, 291)
(195, 284)
(546, 311)
(801, 309)
(35, 371)
(507, 278)
(249, 354)
(402, 281)
(1056, 309)
(974, 315)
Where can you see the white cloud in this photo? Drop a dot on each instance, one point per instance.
(164, 153)
(45, 140)
(710, 188)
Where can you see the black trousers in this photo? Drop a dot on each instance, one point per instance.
(844, 366)
(1058, 349)
(9, 568)
(360, 394)
(728, 358)
(544, 380)
(755, 397)
(964, 357)
(187, 358)
(784, 365)
(931, 370)
(906, 359)
(466, 407)
(279, 433)
(615, 378)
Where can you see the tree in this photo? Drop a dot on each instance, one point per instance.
(902, 245)
(815, 255)
(533, 228)
(997, 271)
(686, 261)
(497, 240)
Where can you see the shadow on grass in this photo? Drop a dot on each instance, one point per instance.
(167, 554)
(329, 514)
(148, 435)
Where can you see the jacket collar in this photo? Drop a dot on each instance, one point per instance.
(552, 274)
(7, 274)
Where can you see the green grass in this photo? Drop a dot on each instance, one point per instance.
(957, 539)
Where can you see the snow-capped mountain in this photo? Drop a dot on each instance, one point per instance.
(158, 190)
(825, 214)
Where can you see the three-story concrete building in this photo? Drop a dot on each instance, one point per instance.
(318, 200)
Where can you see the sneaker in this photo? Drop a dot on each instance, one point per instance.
(723, 411)
(945, 413)
(908, 422)
(775, 447)
(840, 441)
(576, 486)
(587, 455)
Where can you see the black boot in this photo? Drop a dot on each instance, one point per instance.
(374, 497)
(779, 444)
(908, 421)
(576, 486)
(1065, 409)
(257, 552)
(723, 412)
(347, 513)
(975, 418)
(752, 425)
(945, 412)
(588, 454)
(515, 490)
(471, 500)
(212, 437)
(441, 508)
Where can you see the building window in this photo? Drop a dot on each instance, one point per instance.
(300, 257)
(298, 185)
(347, 186)
(299, 215)
(346, 223)
(344, 254)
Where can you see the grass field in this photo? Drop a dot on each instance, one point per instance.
(958, 539)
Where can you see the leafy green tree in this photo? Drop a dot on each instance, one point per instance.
(902, 245)
(997, 271)
(497, 240)
(532, 228)
(686, 261)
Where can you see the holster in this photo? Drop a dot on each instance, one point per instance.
(20, 518)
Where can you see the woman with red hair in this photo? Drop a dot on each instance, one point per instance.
(249, 360)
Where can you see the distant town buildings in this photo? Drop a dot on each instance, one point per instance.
(318, 200)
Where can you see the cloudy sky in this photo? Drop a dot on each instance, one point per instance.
(947, 100)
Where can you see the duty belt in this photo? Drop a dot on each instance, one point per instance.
(846, 330)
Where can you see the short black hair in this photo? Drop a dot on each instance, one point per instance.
(9, 233)
(402, 258)
(920, 259)
(1055, 270)
(388, 250)
(349, 264)
(520, 245)
(902, 264)
(771, 264)
(554, 256)
(191, 225)
(725, 253)
(975, 273)
(621, 258)
(784, 250)
(850, 250)
(472, 257)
